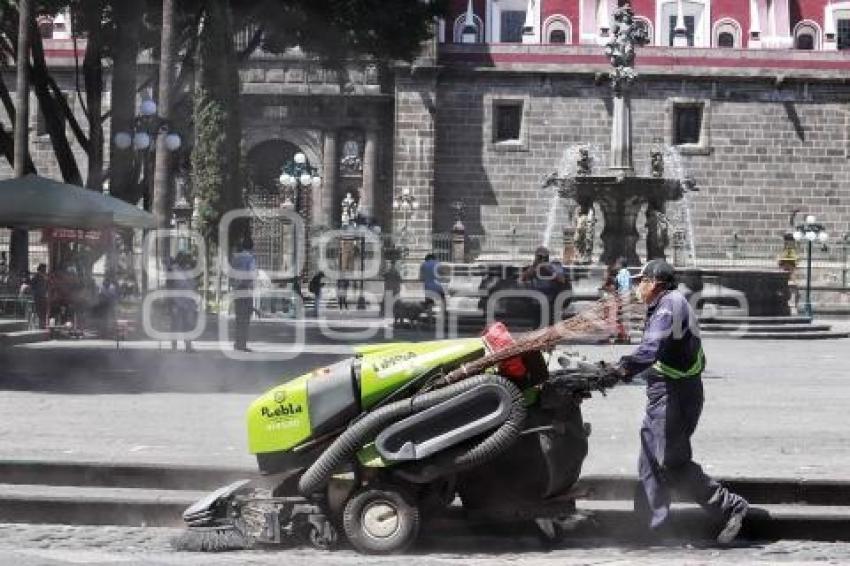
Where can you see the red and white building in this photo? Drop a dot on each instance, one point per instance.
(748, 24)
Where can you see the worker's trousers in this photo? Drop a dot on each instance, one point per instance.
(672, 413)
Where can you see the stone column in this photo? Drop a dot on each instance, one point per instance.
(323, 205)
(755, 26)
(367, 196)
(620, 235)
(458, 242)
(621, 136)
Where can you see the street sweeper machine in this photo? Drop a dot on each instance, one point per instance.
(371, 446)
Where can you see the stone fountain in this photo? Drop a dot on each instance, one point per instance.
(621, 195)
(618, 191)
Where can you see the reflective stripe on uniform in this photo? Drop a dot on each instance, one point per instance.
(674, 373)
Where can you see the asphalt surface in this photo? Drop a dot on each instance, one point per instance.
(773, 409)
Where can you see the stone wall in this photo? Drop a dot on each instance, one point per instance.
(414, 156)
(768, 149)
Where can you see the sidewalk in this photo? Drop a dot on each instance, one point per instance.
(773, 409)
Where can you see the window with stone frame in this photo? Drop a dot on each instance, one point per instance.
(842, 33)
(805, 42)
(557, 36)
(687, 124)
(690, 26)
(511, 24)
(725, 39)
(507, 121)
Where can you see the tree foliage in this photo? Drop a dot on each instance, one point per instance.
(343, 29)
(218, 128)
(208, 177)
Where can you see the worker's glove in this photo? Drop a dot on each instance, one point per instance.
(612, 375)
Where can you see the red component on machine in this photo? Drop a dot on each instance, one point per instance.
(497, 339)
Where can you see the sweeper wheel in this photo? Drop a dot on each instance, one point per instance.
(381, 521)
(321, 537)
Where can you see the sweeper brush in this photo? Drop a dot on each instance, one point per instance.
(211, 539)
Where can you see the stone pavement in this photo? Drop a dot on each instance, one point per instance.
(773, 409)
(58, 545)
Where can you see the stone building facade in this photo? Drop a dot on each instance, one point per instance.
(772, 134)
(751, 94)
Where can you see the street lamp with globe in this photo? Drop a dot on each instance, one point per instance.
(147, 125)
(811, 232)
(295, 176)
(407, 204)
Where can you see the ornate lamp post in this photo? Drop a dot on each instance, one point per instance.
(810, 231)
(297, 175)
(147, 126)
(407, 204)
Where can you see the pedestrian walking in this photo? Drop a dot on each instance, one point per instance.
(671, 360)
(623, 277)
(244, 266)
(622, 285)
(315, 287)
(431, 283)
(549, 279)
(392, 287)
(40, 293)
(342, 293)
(183, 309)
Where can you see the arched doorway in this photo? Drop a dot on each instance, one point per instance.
(265, 163)
(274, 238)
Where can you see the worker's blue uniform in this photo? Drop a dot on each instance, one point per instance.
(671, 359)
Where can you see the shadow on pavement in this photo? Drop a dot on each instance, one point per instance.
(138, 371)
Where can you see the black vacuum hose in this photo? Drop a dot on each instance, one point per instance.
(364, 430)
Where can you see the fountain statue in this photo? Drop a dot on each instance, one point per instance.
(585, 234)
(619, 193)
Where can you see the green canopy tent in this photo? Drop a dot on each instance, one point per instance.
(33, 202)
(37, 202)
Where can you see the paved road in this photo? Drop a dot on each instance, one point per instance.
(773, 408)
(40, 545)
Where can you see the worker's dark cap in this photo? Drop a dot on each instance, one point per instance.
(657, 269)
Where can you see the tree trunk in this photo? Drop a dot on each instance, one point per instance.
(93, 78)
(7, 140)
(19, 244)
(123, 181)
(162, 172)
(51, 111)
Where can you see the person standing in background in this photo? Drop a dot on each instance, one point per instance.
(244, 263)
(39, 290)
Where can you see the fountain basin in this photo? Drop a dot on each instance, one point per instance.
(621, 197)
(765, 291)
